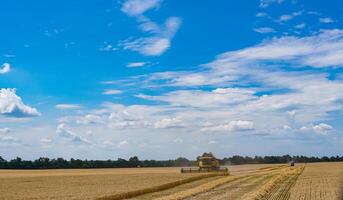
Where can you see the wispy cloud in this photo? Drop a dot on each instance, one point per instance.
(264, 30)
(287, 17)
(138, 7)
(326, 20)
(300, 26)
(5, 68)
(8, 55)
(267, 3)
(156, 44)
(68, 106)
(108, 47)
(160, 35)
(136, 64)
(112, 92)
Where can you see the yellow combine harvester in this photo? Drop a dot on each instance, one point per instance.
(206, 163)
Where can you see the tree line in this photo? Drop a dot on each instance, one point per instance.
(60, 163)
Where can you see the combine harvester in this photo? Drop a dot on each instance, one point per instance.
(206, 163)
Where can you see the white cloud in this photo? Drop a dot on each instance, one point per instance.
(136, 64)
(5, 130)
(106, 142)
(64, 132)
(112, 92)
(264, 30)
(123, 143)
(5, 137)
(45, 140)
(266, 3)
(153, 46)
(108, 47)
(326, 20)
(286, 17)
(8, 139)
(169, 123)
(263, 89)
(287, 127)
(212, 142)
(215, 98)
(12, 105)
(90, 119)
(160, 37)
(233, 126)
(68, 106)
(5, 68)
(323, 48)
(321, 129)
(156, 44)
(138, 7)
(300, 26)
(261, 14)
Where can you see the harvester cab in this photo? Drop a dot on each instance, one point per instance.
(206, 163)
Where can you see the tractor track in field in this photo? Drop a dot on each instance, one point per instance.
(283, 190)
(234, 189)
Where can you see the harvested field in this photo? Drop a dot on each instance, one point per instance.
(81, 184)
(319, 181)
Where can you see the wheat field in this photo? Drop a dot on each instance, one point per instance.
(316, 181)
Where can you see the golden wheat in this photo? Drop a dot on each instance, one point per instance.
(269, 186)
(319, 181)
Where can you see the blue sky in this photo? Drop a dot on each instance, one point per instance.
(162, 79)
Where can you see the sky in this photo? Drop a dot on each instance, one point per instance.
(162, 79)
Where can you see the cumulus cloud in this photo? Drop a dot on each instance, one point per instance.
(68, 106)
(321, 129)
(12, 105)
(5, 68)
